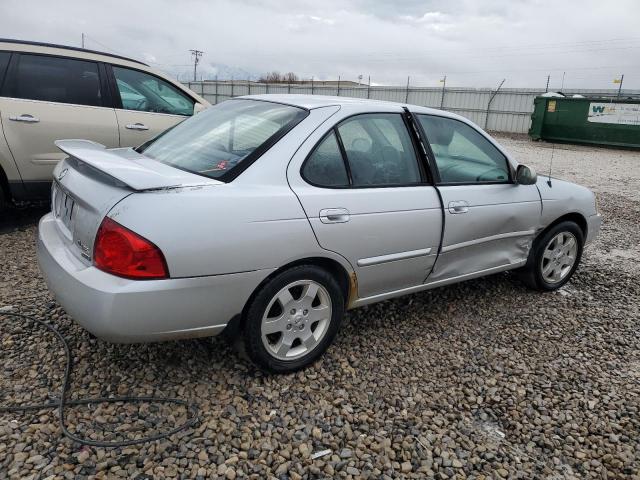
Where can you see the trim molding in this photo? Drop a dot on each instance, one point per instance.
(491, 238)
(438, 283)
(392, 257)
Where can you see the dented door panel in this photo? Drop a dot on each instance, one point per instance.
(496, 229)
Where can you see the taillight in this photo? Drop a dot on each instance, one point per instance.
(121, 252)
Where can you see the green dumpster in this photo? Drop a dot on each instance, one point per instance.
(600, 121)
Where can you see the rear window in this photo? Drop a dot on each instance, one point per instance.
(224, 138)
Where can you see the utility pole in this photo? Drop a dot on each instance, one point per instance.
(546, 89)
(196, 59)
(82, 39)
(620, 86)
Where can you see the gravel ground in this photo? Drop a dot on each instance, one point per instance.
(485, 379)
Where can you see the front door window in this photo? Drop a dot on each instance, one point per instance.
(462, 154)
(147, 93)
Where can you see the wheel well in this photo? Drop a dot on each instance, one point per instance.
(346, 281)
(572, 217)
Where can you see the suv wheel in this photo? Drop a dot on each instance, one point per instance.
(293, 319)
(4, 204)
(554, 257)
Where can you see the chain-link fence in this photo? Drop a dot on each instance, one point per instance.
(500, 110)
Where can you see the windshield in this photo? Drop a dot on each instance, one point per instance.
(216, 141)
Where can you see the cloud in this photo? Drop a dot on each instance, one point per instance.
(473, 43)
(436, 21)
(302, 22)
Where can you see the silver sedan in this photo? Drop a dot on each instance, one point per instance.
(269, 216)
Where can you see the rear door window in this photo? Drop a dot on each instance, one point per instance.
(55, 79)
(325, 167)
(379, 150)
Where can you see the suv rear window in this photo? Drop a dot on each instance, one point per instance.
(56, 79)
(224, 138)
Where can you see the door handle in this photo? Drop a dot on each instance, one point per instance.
(25, 117)
(459, 206)
(334, 215)
(137, 126)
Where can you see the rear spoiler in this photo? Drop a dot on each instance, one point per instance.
(130, 167)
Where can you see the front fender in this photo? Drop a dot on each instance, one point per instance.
(563, 198)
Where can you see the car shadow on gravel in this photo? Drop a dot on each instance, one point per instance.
(14, 218)
(435, 313)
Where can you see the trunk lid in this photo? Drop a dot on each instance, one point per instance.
(88, 183)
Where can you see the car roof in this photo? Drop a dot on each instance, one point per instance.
(66, 47)
(310, 102)
(38, 48)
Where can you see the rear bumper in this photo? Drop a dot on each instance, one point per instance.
(594, 223)
(126, 311)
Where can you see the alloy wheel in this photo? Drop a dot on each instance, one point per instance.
(559, 257)
(296, 319)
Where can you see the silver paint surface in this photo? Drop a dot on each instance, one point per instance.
(222, 240)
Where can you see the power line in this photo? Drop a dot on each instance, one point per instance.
(105, 46)
(564, 48)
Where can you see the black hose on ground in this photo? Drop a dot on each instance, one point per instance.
(63, 402)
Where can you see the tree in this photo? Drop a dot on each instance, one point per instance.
(290, 77)
(277, 77)
(271, 77)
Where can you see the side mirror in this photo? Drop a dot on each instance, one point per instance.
(198, 107)
(526, 175)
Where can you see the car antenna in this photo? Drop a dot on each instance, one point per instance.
(553, 149)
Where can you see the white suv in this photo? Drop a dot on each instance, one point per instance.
(52, 92)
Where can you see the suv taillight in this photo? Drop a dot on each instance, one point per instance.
(121, 252)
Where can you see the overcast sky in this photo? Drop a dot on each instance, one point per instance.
(474, 43)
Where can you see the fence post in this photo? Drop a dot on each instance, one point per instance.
(338, 85)
(369, 88)
(216, 89)
(493, 95)
(311, 85)
(248, 87)
(444, 87)
(232, 83)
(406, 96)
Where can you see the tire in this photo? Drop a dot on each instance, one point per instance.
(4, 203)
(293, 319)
(548, 266)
